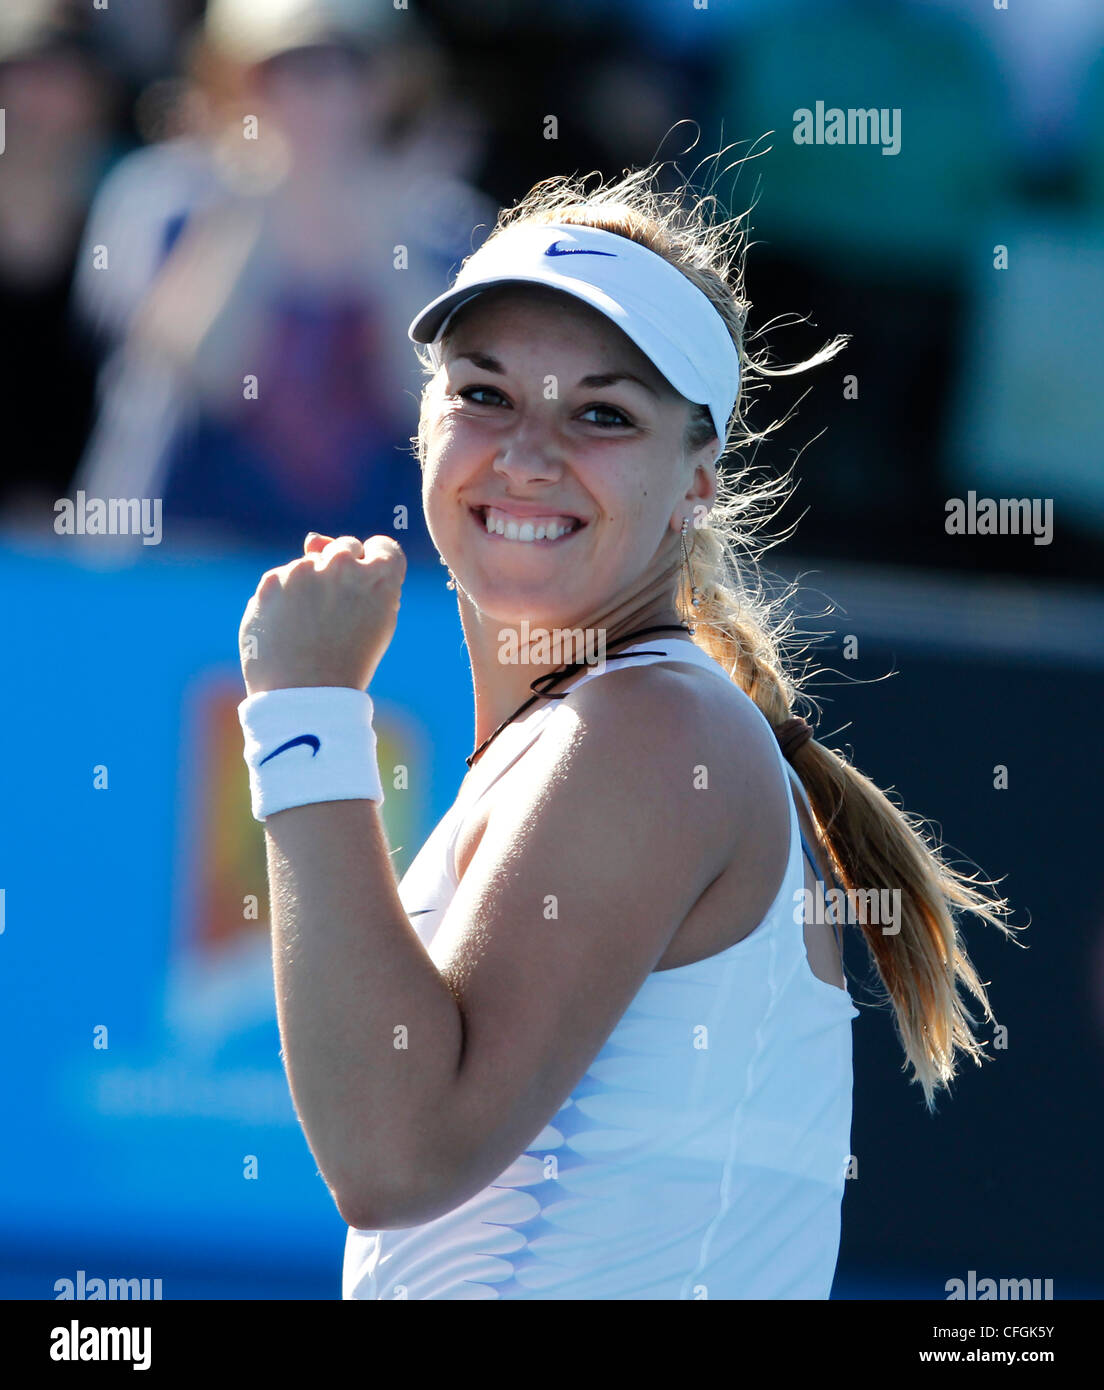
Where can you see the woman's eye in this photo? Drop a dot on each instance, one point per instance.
(472, 393)
(620, 418)
(609, 416)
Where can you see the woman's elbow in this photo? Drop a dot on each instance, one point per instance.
(418, 1194)
(395, 1211)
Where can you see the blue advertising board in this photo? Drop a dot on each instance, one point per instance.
(147, 1101)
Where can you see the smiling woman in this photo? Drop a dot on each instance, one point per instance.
(597, 1042)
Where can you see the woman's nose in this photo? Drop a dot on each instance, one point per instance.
(529, 453)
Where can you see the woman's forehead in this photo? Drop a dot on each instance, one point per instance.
(517, 314)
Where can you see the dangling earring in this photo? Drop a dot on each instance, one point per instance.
(695, 592)
(451, 581)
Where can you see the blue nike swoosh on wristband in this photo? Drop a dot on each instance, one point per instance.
(557, 250)
(311, 739)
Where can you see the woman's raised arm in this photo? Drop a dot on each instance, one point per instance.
(420, 1076)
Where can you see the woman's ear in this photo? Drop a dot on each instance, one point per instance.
(702, 493)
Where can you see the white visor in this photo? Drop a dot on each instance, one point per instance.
(668, 318)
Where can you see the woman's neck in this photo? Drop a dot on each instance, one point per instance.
(507, 657)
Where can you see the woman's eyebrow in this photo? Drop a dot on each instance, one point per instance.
(483, 360)
(611, 378)
(486, 363)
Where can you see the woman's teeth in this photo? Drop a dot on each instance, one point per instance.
(537, 528)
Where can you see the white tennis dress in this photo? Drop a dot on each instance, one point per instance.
(702, 1155)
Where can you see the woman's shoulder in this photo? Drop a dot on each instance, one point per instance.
(678, 703)
(696, 747)
(727, 791)
(700, 734)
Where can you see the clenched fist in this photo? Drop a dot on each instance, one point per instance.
(325, 619)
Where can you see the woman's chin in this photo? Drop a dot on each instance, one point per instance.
(514, 607)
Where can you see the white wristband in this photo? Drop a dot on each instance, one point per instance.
(308, 744)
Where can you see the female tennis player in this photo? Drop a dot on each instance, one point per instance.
(597, 1042)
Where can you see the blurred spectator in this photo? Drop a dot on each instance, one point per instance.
(536, 74)
(57, 104)
(1044, 52)
(881, 243)
(262, 268)
(249, 318)
(141, 38)
(1091, 125)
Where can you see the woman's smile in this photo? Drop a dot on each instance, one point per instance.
(549, 528)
